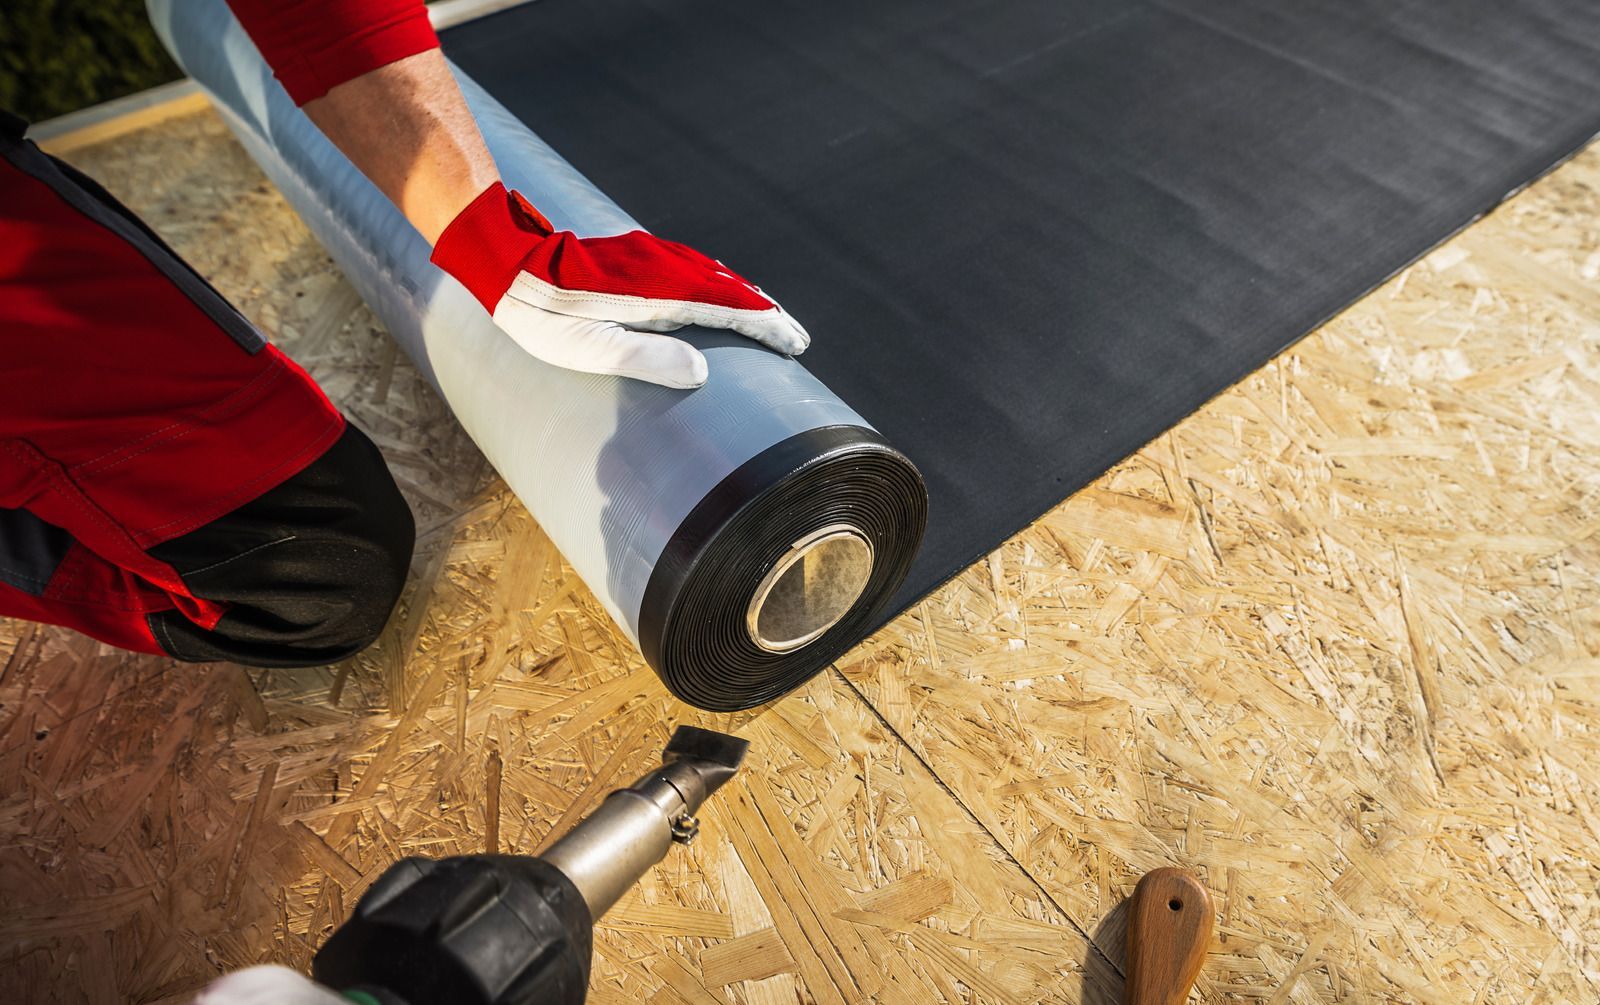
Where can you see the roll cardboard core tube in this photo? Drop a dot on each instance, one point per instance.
(810, 588)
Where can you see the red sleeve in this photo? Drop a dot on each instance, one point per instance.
(315, 45)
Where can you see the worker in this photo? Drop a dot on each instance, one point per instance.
(171, 483)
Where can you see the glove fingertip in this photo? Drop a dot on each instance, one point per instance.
(682, 366)
(790, 337)
(696, 373)
(802, 334)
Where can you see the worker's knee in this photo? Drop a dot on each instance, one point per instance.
(310, 571)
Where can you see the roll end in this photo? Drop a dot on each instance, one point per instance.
(782, 568)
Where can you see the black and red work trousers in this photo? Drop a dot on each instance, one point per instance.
(169, 482)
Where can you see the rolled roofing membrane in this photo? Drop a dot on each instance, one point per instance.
(744, 534)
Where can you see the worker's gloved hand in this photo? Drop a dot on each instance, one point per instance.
(266, 985)
(596, 304)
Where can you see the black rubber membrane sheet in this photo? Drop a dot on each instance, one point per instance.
(1028, 236)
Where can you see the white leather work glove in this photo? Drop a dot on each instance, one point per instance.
(266, 985)
(601, 304)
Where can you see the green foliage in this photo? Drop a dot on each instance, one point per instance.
(57, 56)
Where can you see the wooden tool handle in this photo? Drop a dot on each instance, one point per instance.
(1169, 932)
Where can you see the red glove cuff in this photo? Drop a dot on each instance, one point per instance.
(314, 46)
(485, 245)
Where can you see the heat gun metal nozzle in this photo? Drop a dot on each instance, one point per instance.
(607, 852)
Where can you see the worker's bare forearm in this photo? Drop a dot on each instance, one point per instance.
(407, 127)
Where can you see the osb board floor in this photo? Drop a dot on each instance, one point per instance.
(1333, 642)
